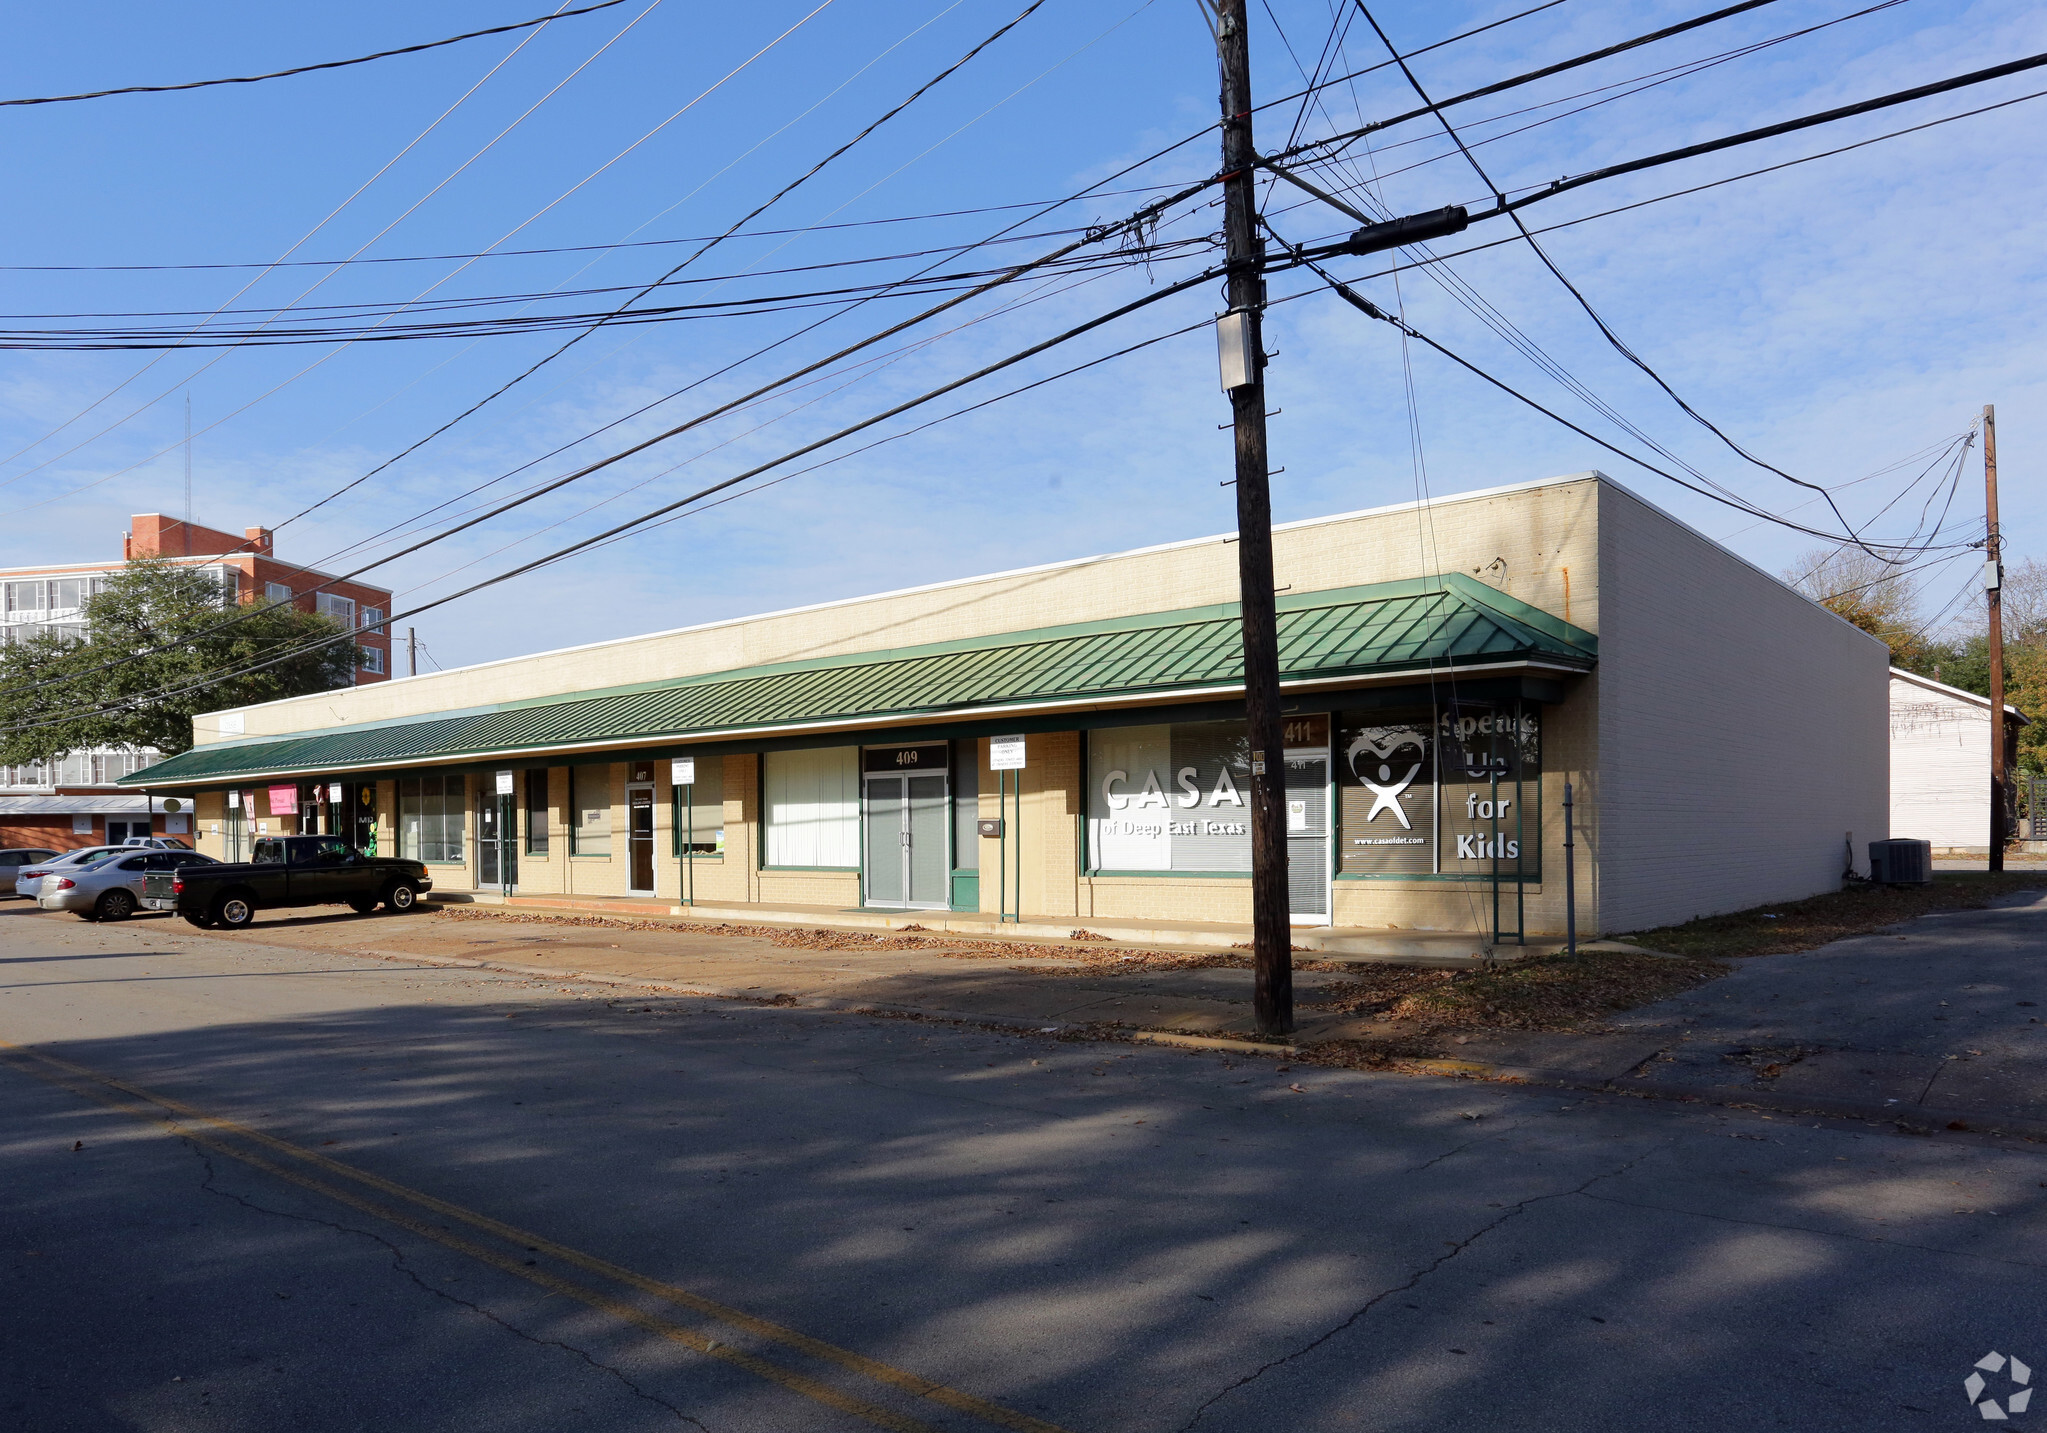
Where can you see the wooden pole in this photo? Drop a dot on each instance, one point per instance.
(1993, 578)
(1271, 934)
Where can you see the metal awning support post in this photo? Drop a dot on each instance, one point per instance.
(1570, 878)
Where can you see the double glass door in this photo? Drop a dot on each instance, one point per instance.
(906, 862)
(497, 841)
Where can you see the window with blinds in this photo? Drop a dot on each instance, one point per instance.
(811, 807)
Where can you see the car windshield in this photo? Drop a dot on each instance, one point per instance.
(90, 855)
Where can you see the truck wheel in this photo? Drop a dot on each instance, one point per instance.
(362, 905)
(400, 896)
(234, 912)
(116, 905)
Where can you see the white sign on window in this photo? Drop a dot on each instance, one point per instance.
(1297, 815)
(334, 793)
(1006, 753)
(685, 771)
(504, 784)
(234, 800)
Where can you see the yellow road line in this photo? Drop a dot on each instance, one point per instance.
(789, 1338)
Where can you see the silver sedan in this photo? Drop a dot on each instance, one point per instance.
(110, 888)
(28, 882)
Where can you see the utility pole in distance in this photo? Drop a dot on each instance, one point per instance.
(411, 653)
(1241, 349)
(1993, 583)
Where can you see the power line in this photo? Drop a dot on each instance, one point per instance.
(1136, 220)
(1513, 82)
(1613, 339)
(323, 65)
(90, 340)
(302, 240)
(1372, 310)
(574, 248)
(759, 209)
(641, 521)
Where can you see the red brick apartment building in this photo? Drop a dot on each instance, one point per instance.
(74, 802)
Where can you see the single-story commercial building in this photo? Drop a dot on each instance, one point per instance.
(1446, 669)
(1940, 763)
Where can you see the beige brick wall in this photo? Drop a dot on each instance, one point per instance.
(1537, 542)
(1743, 731)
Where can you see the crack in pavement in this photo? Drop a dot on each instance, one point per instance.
(1427, 1269)
(398, 1261)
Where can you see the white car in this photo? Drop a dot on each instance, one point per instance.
(29, 882)
(157, 843)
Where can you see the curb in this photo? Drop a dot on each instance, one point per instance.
(1214, 1042)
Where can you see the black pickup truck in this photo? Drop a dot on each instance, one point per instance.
(286, 871)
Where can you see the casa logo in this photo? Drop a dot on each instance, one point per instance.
(1383, 752)
(2017, 1401)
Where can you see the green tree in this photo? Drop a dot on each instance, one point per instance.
(126, 694)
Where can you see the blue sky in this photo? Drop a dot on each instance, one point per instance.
(1834, 317)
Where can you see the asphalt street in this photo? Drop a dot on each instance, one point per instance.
(250, 1187)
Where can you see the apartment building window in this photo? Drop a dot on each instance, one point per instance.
(276, 592)
(25, 596)
(229, 580)
(373, 620)
(372, 658)
(341, 609)
(68, 594)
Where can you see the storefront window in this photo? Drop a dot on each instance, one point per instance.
(1169, 798)
(590, 810)
(700, 810)
(1452, 790)
(966, 806)
(1491, 761)
(1386, 793)
(811, 803)
(431, 813)
(537, 811)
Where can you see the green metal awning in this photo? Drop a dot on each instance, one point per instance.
(1436, 624)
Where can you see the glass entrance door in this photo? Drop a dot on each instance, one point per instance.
(497, 842)
(1307, 836)
(639, 811)
(905, 861)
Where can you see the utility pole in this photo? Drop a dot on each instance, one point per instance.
(1993, 583)
(1241, 348)
(411, 653)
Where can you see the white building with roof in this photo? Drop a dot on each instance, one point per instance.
(1940, 762)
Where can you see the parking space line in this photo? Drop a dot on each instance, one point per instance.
(198, 1126)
